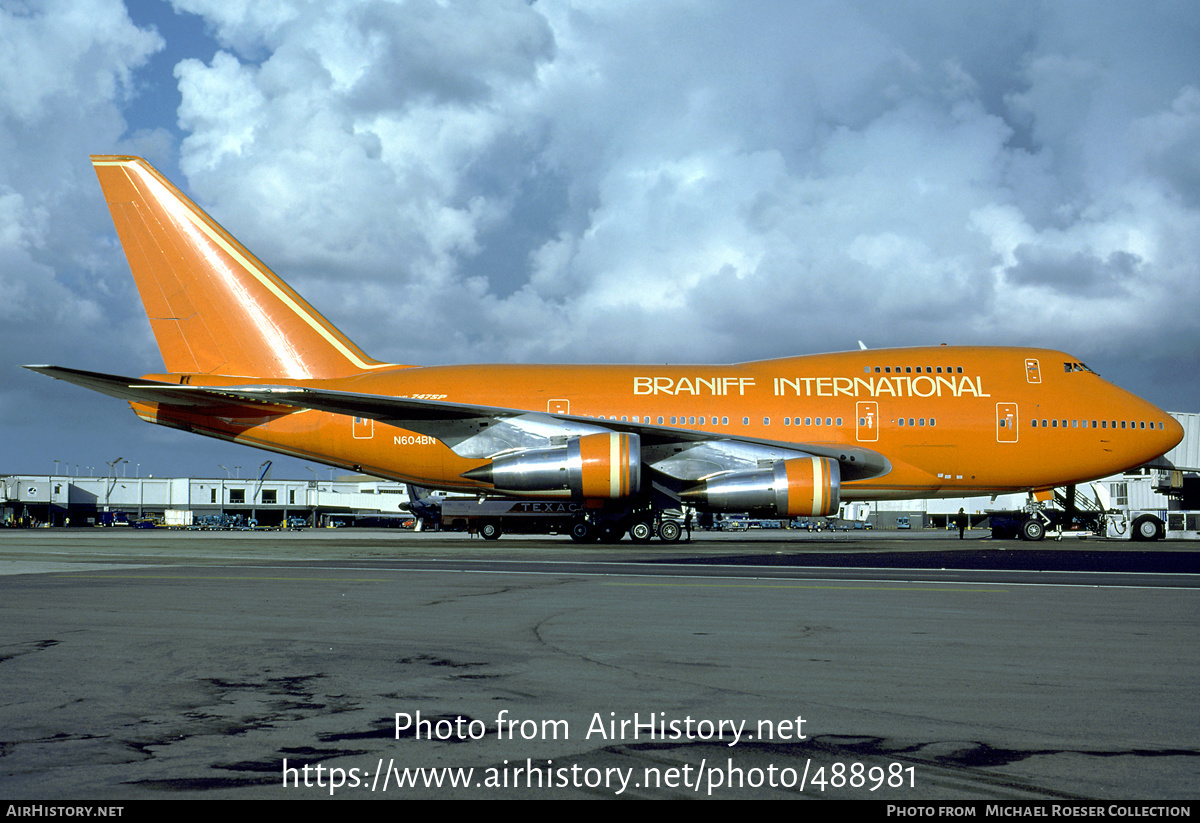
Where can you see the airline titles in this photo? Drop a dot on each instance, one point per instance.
(896, 385)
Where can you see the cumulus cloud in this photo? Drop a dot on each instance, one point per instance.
(571, 180)
(66, 70)
(578, 180)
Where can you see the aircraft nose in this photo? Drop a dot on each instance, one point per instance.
(1172, 433)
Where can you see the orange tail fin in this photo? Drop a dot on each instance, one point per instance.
(213, 306)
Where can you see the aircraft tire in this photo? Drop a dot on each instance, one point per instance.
(1147, 528)
(669, 531)
(641, 532)
(1033, 530)
(582, 532)
(490, 530)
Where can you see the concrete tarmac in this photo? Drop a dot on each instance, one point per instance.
(370, 665)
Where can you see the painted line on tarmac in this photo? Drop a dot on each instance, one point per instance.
(710, 582)
(656, 579)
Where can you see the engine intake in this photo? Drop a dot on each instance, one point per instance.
(606, 465)
(790, 488)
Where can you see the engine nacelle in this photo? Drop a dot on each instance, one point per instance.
(791, 488)
(606, 465)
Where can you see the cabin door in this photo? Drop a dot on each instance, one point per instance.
(1006, 422)
(867, 429)
(364, 428)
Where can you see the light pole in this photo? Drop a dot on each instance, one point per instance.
(108, 487)
(313, 498)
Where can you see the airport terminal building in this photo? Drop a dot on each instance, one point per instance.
(60, 500)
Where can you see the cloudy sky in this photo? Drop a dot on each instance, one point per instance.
(600, 180)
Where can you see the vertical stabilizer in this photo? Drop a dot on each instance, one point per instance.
(213, 306)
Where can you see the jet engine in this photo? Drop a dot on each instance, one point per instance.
(604, 465)
(789, 488)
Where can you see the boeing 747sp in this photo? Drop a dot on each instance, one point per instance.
(249, 361)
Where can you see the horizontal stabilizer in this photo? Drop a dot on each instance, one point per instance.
(137, 390)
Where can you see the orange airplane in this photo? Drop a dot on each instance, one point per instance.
(249, 361)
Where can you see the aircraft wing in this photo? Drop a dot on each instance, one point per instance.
(482, 431)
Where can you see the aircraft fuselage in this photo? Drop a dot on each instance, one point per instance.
(952, 421)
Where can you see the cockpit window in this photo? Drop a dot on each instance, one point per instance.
(1071, 367)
